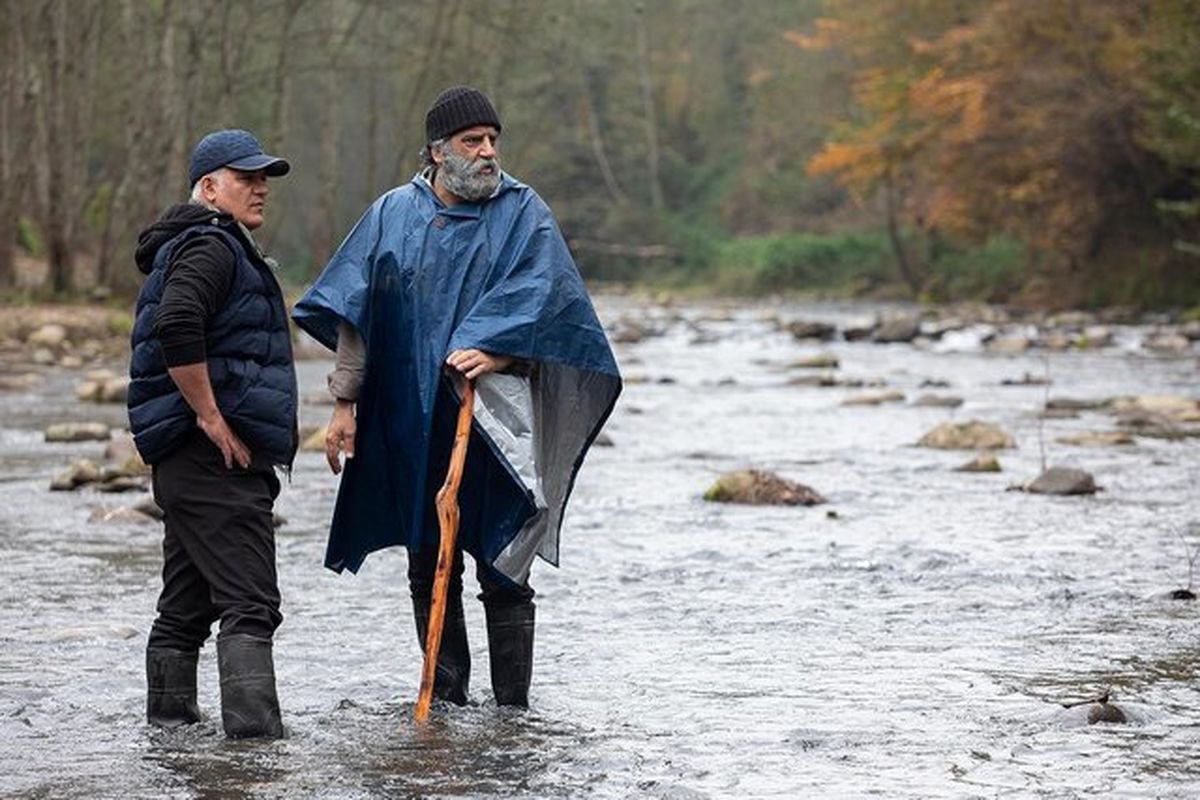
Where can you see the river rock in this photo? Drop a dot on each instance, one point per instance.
(120, 515)
(79, 473)
(121, 483)
(1028, 379)
(314, 442)
(150, 508)
(43, 357)
(972, 435)
(822, 361)
(1167, 342)
(88, 632)
(1009, 345)
(1056, 340)
(1074, 404)
(874, 399)
(70, 362)
(804, 329)
(859, 331)
(114, 390)
(1176, 408)
(78, 432)
(1156, 426)
(19, 383)
(900, 328)
(1063, 481)
(1096, 336)
(51, 335)
(755, 487)
(984, 462)
(120, 447)
(938, 401)
(1098, 439)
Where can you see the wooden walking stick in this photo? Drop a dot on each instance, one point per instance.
(447, 512)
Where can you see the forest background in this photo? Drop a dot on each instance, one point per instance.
(1043, 153)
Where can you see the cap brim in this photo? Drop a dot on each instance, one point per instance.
(272, 165)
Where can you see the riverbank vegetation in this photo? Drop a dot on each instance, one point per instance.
(1038, 154)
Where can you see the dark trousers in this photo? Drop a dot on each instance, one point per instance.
(219, 547)
(495, 590)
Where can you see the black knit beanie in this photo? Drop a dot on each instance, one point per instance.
(456, 108)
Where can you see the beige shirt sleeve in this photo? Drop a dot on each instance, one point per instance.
(345, 382)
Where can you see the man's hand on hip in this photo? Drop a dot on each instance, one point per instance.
(473, 363)
(220, 434)
(339, 436)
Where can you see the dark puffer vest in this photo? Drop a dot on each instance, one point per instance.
(249, 355)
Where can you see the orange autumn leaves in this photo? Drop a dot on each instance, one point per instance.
(1007, 117)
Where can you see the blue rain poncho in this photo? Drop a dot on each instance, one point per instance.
(419, 280)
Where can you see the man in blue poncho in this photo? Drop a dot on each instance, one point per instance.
(461, 274)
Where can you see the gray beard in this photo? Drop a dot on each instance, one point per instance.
(461, 176)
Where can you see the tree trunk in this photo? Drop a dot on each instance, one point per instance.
(650, 117)
(596, 138)
(11, 120)
(893, 229)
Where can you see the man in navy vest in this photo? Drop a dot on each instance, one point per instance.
(212, 408)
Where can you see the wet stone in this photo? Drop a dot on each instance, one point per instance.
(1098, 439)
(51, 335)
(1105, 712)
(972, 435)
(756, 487)
(803, 329)
(874, 399)
(903, 328)
(121, 483)
(1028, 379)
(81, 472)
(78, 432)
(120, 516)
(822, 361)
(938, 401)
(1063, 481)
(984, 462)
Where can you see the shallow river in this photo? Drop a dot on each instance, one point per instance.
(915, 642)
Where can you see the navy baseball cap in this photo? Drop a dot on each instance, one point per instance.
(236, 149)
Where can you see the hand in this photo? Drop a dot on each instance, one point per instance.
(473, 363)
(220, 434)
(339, 436)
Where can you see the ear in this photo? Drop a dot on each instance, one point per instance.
(435, 152)
(208, 188)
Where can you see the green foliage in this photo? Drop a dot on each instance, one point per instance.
(845, 261)
(991, 272)
(120, 323)
(29, 237)
(97, 211)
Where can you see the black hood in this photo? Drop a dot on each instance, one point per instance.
(173, 220)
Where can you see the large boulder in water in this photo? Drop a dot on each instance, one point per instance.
(755, 487)
(1063, 481)
(899, 328)
(972, 435)
(78, 432)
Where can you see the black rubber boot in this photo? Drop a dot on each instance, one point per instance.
(453, 676)
(510, 645)
(171, 687)
(249, 706)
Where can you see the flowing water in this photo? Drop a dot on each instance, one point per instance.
(911, 638)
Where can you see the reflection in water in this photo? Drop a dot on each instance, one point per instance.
(917, 643)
